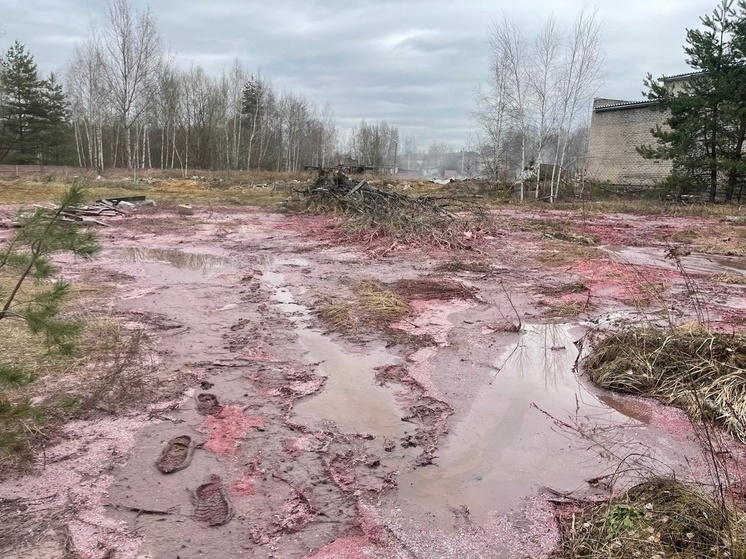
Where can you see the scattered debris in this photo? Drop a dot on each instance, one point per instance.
(92, 213)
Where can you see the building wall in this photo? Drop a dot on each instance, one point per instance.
(615, 133)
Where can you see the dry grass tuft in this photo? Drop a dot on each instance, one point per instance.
(563, 254)
(117, 371)
(687, 236)
(455, 266)
(433, 289)
(658, 518)
(373, 307)
(703, 373)
(575, 238)
(337, 316)
(567, 309)
(377, 303)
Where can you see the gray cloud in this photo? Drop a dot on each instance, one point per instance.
(413, 63)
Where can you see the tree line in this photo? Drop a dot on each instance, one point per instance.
(126, 104)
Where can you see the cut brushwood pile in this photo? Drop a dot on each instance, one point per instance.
(92, 213)
(448, 221)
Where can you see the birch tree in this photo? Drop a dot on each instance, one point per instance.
(581, 78)
(131, 55)
(536, 97)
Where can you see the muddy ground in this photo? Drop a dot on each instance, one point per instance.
(450, 432)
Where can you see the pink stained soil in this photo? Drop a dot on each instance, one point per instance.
(619, 280)
(431, 318)
(421, 370)
(244, 485)
(306, 443)
(226, 429)
(265, 371)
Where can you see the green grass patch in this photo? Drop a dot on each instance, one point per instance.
(656, 519)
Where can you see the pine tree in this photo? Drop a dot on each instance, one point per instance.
(705, 128)
(22, 108)
(28, 257)
(55, 137)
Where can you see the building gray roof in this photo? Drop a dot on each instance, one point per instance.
(621, 105)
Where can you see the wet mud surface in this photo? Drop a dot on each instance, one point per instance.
(292, 440)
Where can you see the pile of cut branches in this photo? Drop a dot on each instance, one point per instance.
(446, 221)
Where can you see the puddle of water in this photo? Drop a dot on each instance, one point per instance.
(505, 448)
(205, 263)
(351, 398)
(298, 262)
(694, 263)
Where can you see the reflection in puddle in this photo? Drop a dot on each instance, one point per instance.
(351, 397)
(176, 258)
(509, 442)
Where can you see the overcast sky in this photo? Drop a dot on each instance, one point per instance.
(413, 63)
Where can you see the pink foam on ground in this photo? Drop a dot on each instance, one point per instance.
(619, 280)
(70, 475)
(259, 354)
(352, 547)
(243, 485)
(431, 318)
(421, 370)
(305, 443)
(536, 535)
(226, 429)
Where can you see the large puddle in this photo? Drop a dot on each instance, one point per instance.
(693, 264)
(535, 425)
(207, 264)
(351, 398)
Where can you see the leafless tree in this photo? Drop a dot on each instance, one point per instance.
(131, 107)
(87, 93)
(543, 74)
(581, 78)
(131, 56)
(534, 100)
(374, 145)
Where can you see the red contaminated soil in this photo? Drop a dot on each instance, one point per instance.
(226, 429)
(620, 280)
(350, 547)
(243, 485)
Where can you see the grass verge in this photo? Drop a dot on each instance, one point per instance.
(701, 372)
(658, 518)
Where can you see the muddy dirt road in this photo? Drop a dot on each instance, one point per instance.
(446, 434)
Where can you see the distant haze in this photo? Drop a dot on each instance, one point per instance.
(413, 63)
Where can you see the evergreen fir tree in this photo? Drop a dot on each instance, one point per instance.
(704, 132)
(55, 137)
(22, 108)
